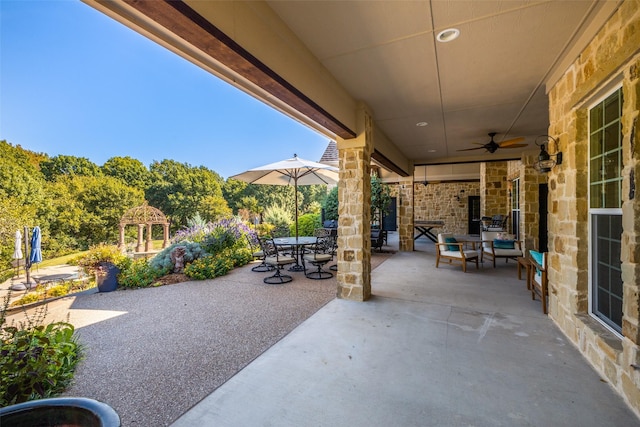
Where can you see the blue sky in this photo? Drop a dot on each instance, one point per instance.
(75, 82)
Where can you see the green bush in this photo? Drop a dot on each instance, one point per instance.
(140, 274)
(277, 216)
(91, 260)
(209, 267)
(307, 224)
(240, 256)
(36, 360)
(162, 260)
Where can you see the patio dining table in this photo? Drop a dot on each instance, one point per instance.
(297, 245)
(424, 228)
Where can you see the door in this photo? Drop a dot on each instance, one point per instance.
(473, 218)
(543, 192)
(389, 218)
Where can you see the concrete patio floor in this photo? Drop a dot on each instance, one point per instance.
(433, 347)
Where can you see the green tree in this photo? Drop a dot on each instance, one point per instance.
(132, 171)
(105, 199)
(233, 191)
(63, 165)
(380, 198)
(19, 175)
(331, 205)
(213, 208)
(178, 189)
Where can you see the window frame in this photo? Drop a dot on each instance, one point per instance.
(593, 212)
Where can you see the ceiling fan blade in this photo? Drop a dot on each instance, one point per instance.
(469, 149)
(515, 146)
(509, 142)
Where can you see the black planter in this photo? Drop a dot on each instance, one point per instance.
(61, 411)
(107, 277)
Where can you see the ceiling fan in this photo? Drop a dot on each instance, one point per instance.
(492, 146)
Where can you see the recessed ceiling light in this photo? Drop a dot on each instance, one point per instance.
(448, 35)
(422, 124)
(431, 151)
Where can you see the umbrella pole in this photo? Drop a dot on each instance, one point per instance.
(295, 188)
(27, 262)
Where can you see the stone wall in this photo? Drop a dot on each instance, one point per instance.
(439, 202)
(494, 196)
(611, 59)
(529, 202)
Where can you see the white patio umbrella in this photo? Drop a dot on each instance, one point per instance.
(294, 171)
(17, 251)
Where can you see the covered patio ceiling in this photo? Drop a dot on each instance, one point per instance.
(318, 60)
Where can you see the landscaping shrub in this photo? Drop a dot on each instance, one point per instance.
(37, 360)
(307, 224)
(209, 267)
(162, 261)
(102, 253)
(140, 274)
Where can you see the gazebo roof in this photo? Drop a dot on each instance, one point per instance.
(144, 214)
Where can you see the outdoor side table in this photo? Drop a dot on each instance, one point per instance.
(524, 262)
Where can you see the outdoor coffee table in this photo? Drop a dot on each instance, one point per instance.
(297, 245)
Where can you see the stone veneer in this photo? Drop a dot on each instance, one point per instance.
(610, 60)
(438, 202)
(529, 202)
(354, 213)
(494, 196)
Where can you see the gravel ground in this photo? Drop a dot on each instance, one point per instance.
(152, 354)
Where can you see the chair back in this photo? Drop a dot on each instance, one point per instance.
(324, 245)
(443, 236)
(269, 247)
(321, 232)
(488, 237)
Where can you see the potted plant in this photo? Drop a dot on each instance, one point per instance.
(105, 262)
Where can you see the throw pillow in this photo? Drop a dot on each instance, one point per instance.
(451, 240)
(503, 244)
(537, 256)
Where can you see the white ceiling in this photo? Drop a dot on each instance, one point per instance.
(491, 79)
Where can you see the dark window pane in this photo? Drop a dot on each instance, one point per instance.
(612, 137)
(612, 165)
(616, 227)
(596, 195)
(596, 117)
(612, 194)
(595, 172)
(611, 108)
(603, 302)
(595, 143)
(603, 271)
(616, 283)
(616, 311)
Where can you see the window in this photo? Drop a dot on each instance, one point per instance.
(515, 208)
(605, 213)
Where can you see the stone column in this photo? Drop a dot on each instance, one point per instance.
(121, 244)
(354, 221)
(139, 246)
(494, 198)
(165, 235)
(405, 215)
(148, 244)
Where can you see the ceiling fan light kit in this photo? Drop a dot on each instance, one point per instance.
(493, 146)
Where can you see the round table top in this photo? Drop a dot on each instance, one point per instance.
(300, 240)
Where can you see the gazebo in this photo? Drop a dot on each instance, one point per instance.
(144, 216)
